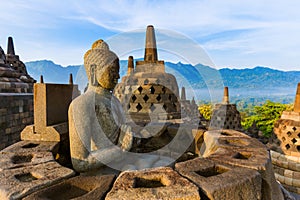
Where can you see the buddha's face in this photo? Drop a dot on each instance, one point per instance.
(108, 79)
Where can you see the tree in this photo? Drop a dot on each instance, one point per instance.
(265, 116)
(205, 110)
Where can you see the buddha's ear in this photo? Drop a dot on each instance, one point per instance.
(94, 81)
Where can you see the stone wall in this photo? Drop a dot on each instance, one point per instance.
(16, 111)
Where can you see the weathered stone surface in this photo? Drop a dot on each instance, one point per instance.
(50, 117)
(16, 111)
(157, 183)
(220, 181)
(287, 170)
(77, 188)
(211, 140)
(54, 133)
(297, 100)
(16, 105)
(291, 115)
(251, 155)
(97, 130)
(32, 146)
(286, 141)
(226, 96)
(149, 91)
(197, 142)
(225, 115)
(12, 160)
(287, 131)
(19, 182)
(13, 71)
(46, 107)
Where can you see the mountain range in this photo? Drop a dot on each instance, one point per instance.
(198, 77)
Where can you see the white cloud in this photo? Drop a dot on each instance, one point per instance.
(272, 26)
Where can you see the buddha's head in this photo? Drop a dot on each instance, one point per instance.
(102, 66)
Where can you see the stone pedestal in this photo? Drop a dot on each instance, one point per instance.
(51, 103)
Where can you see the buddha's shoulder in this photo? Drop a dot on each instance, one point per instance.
(84, 101)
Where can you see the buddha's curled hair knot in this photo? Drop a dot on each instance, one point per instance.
(99, 55)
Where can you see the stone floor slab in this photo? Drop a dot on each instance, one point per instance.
(76, 188)
(32, 146)
(219, 181)
(150, 184)
(16, 160)
(19, 182)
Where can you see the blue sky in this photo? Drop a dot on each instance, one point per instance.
(234, 33)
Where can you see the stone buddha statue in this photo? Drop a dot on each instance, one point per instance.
(99, 137)
(97, 132)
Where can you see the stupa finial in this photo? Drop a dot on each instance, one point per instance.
(41, 79)
(71, 79)
(183, 96)
(150, 46)
(10, 46)
(226, 96)
(130, 65)
(297, 100)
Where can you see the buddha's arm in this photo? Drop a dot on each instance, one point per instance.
(83, 158)
(106, 155)
(125, 138)
(78, 144)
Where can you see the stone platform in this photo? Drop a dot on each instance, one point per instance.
(231, 166)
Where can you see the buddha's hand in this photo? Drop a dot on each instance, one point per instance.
(126, 138)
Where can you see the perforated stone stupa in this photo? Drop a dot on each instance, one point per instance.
(16, 104)
(147, 91)
(189, 107)
(230, 166)
(286, 158)
(225, 115)
(287, 128)
(13, 74)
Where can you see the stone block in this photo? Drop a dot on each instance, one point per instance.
(53, 133)
(219, 181)
(251, 154)
(291, 115)
(76, 188)
(211, 140)
(51, 104)
(257, 159)
(142, 66)
(157, 183)
(253, 159)
(20, 182)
